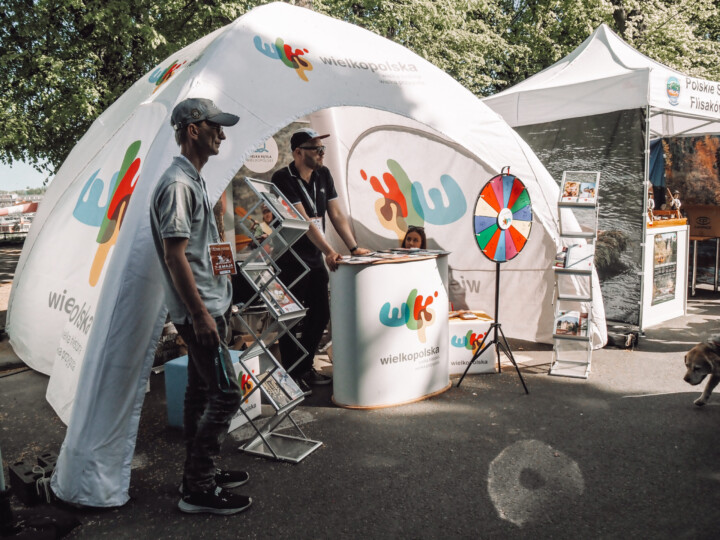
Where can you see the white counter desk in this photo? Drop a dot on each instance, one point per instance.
(390, 331)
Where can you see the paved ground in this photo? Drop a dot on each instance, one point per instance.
(623, 454)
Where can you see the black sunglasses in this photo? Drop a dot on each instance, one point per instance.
(412, 228)
(212, 125)
(318, 149)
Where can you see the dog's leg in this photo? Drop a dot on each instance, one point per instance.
(709, 387)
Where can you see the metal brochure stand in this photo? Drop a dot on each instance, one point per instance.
(573, 323)
(259, 268)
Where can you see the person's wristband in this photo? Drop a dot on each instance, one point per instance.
(354, 248)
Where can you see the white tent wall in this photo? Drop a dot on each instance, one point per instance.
(272, 66)
(61, 235)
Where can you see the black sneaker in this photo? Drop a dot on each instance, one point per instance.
(306, 390)
(226, 479)
(214, 501)
(315, 378)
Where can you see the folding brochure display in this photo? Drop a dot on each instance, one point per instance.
(258, 268)
(572, 331)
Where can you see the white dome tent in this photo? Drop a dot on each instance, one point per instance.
(88, 269)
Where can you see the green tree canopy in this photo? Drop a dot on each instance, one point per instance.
(66, 61)
(63, 62)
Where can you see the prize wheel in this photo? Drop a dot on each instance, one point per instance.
(503, 217)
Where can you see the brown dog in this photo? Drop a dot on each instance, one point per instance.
(704, 359)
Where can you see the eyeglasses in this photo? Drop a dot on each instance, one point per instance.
(318, 149)
(212, 125)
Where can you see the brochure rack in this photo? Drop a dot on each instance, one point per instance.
(258, 266)
(572, 330)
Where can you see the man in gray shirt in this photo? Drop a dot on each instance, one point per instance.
(199, 301)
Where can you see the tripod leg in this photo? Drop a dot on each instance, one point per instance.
(506, 349)
(479, 352)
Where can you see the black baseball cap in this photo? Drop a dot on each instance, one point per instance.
(193, 110)
(303, 135)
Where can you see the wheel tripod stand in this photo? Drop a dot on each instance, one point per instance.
(498, 339)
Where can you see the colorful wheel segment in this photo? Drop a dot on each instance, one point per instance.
(503, 218)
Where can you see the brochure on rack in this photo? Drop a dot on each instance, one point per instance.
(275, 294)
(571, 323)
(280, 387)
(579, 187)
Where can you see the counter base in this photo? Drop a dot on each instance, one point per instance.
(414, 400)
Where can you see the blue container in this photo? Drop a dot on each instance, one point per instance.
(175, 384)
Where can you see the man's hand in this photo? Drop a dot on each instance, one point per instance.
(332, 259)
(361, 251)
(206, 330)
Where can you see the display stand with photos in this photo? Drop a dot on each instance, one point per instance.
(665, 281)
(262, 286)
(572, 331)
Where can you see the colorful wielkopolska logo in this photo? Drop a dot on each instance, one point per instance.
(415, 313)
(246, 384)
(109, 216)
(467, 341)
(160, 76)
(404, 203)
(673, 90)
(285, 53)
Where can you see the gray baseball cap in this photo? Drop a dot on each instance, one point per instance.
(193, 110)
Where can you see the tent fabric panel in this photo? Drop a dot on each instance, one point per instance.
(613, 144)
(541, 105)
(657, 164)
(606, 74)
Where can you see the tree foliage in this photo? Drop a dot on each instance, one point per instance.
(465, 38)
(683, 34)
(65, 61)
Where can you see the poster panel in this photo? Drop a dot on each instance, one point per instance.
(664, 267)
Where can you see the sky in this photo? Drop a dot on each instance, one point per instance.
(19, 176)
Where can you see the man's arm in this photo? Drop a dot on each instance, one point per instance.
(318, 238)
(184, 281)
(342, 226)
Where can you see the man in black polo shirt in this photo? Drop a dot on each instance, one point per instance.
(309, 186)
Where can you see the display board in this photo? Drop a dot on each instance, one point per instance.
(573, 325)
(666, 277)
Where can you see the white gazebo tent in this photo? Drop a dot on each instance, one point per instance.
(605, 75)
(88, 269)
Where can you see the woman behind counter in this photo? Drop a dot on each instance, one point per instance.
(415, 238)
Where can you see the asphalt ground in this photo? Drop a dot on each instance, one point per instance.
(622, 454)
